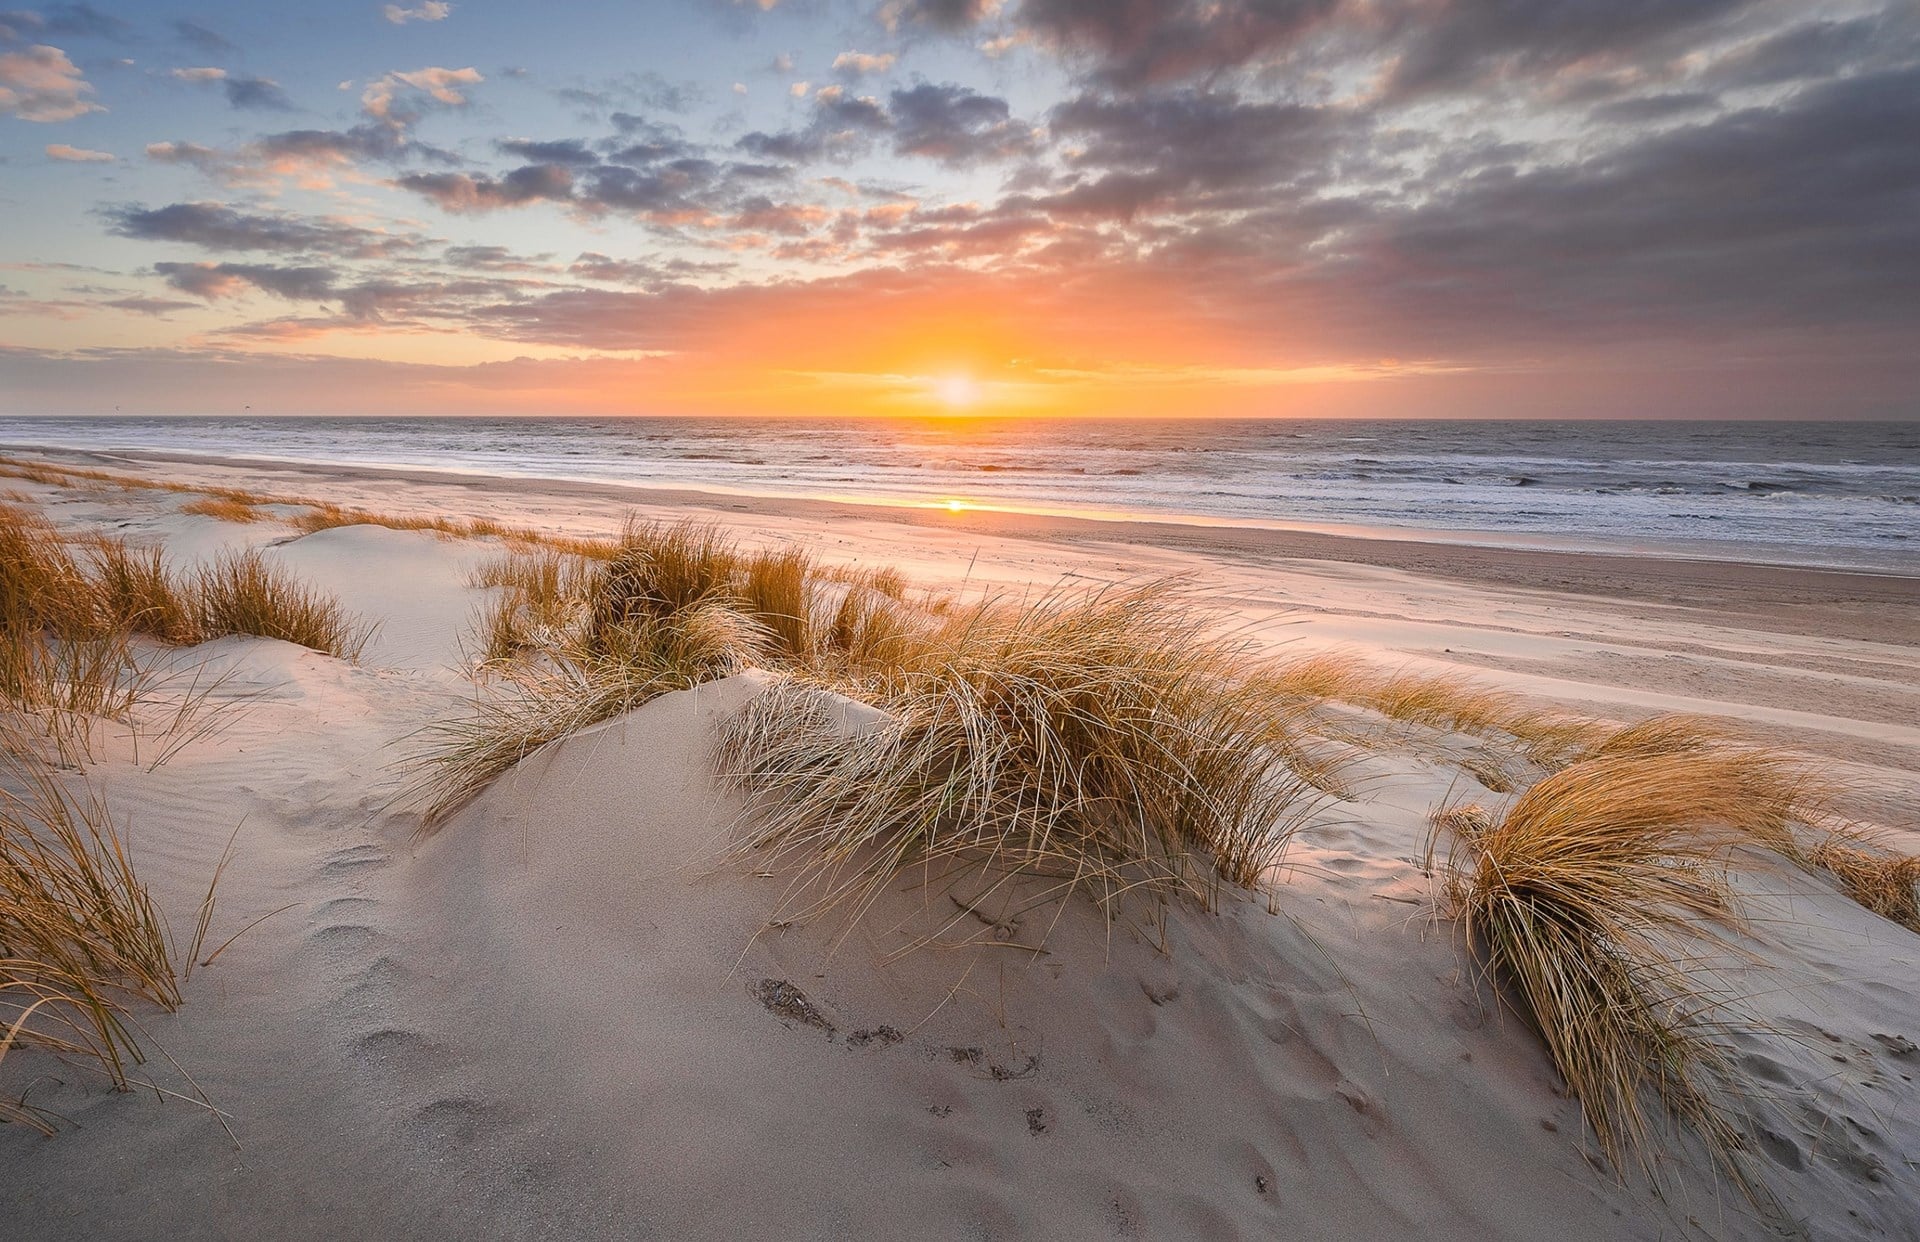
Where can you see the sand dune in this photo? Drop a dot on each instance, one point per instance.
(564, 1014)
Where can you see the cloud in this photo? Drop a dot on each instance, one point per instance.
(842, 125)
(563, 151)
(41, 84)
(194, 34)
(860, 64)
(206, 159)
(1461, 46)
(429, 11)
(77, 155)
(1131, 45)
(149, 306)
(208, 73)
(63, 21)
(396, 96)
(1191, 143)
(955, 125)
(1816, 48)
(632, 90)
(258, 94)
(216, 226)
(1641, 109)
(592, 265)
(495, 259)
(216, 281)
(944, 15)
(476, 193)
(948, 123)
(1798, 212)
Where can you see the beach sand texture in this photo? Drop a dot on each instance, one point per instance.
(563, 1013)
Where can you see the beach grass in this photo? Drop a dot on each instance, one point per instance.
(1102, 738)
(242, 593)
(223, 509)
(135, 588)
(1596, 899)
(541, 601)
(80, 937)
(524, 706)
(1871, 872)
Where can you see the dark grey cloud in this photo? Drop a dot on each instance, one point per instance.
(1639, 109)
(632, 90)
(1461, 45)
(194, 35)
(794, 145)
(572, 151)
(945, 15)
(1132, 43)
(475, 193)
(213, 281)
(955, 125)
(945, 122)
(1804, 215)
(361, 142)
(645, 169)
(842, 125)
(1187, 146)
(592, 265)
(641, 140)
(149, 306)
(218, 227)
(62, 21)
(1811, 49)
(495, 259)
(259, 94)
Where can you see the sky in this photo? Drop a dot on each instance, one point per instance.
(1251, 208)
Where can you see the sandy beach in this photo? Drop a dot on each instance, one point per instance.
(566, 1013)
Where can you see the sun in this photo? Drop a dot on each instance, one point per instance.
(957, 391)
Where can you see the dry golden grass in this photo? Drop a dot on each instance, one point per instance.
(868, 630)
(780, 590)
(65, 657)
(133, 587)
(1104, 739)
(80, 938)
(241, 593)
(660, 569)
(1595, 897)
(529, 706)
(542, 602)
(1878, 877)
(42, 586)
(1435, 700)
(1672, 734)
(223, 509)
(563, 602)
(1550, 737)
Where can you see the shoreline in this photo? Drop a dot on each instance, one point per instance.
(1781, 552)
(1859, 604)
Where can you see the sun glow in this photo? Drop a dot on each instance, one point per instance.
(957, 392)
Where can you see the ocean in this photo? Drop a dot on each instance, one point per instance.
(1834, 494)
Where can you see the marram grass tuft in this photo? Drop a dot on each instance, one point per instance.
(1596, 898)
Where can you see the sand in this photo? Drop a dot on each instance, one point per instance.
(563, 1014)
